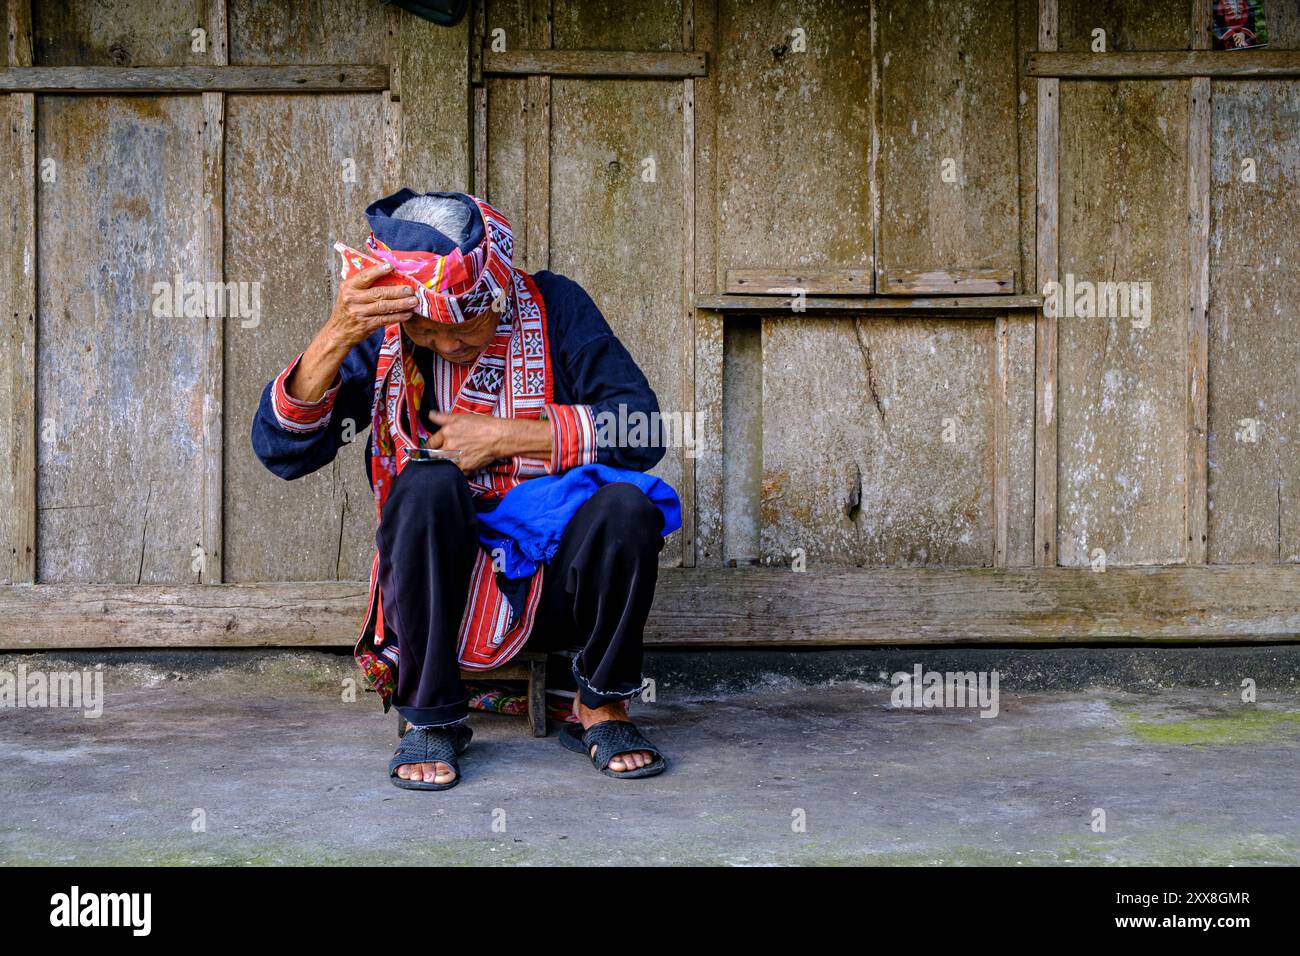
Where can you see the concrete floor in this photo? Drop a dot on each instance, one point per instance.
(284, 772)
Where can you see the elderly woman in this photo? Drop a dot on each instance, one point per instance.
(505, 518)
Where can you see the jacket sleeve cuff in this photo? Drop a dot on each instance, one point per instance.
(573, 437)
(296, 416)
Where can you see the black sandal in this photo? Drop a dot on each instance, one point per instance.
(611, 738)
(430, 745)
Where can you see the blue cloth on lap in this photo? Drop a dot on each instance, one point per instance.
(530, 519)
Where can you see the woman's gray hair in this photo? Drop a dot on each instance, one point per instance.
(449, 216)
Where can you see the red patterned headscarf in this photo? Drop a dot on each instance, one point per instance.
(453, 286)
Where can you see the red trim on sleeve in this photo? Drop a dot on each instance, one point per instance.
(573, 436)
(296, 416)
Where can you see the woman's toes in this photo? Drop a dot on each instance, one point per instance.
(443, 773)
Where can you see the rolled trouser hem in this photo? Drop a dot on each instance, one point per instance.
(594, 697)
(446, 715)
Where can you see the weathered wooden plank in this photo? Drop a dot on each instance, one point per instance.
(884, 455)
(1021, 388)
(1284, 26)
(18, 40)
(1167, 65)
(617, 219)
(18, 345)
(710, 464)
(1001, 439)
(213, 385)
(393, 124)
(810, 282)
(436, 106)
(339, 78)
(740, 444)
(948, 163)
(477, 37)
(627, 64)
(481, 142)
(299, 173)
(537, 147)
(122, 33)
(1027, 133)
(313, 33)
(1021, 327)
(792, 86)
(1199, 148)
(217, 24)
(946, 282)
(688, 409)
(875, 108)
(214, 348)
(1128, 27)
(1122, 400)
(1254, 401)
(649, 25)
(507, 136)
(1198, 332)
(974, 306)
(1047, 333)
(537, 174)
(719, 607)
(792, 129)
(120, 368)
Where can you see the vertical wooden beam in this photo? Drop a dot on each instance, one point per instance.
(477, 34)
(214, 341)
(432, 85)
(709, 336)
(18, 23)
(481, 143)
(213, 258)
(218, 27)
(688, 292)
(874, 99)
(537, 148)
(1048, 267)
(19, 342)
(393, 173)
(1199, 146)
(1001, 438)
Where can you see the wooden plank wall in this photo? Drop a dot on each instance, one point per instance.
(1254, 351)
(850, 415)
(119, 398)
(825, 436)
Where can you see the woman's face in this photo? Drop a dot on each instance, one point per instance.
(455, 343)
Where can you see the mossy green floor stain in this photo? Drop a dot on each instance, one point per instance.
(1248, 725)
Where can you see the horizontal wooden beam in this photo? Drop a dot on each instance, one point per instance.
(195, 79)
(946, 282)
(972, 306)
(1160, 64)
(648, 64)
(818, 282)
(717, 607)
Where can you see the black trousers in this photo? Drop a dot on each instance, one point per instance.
(596, 591)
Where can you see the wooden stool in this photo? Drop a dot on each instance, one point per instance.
(526, 665)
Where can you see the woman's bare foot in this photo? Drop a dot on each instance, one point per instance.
(633, 760)
(428, 772)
